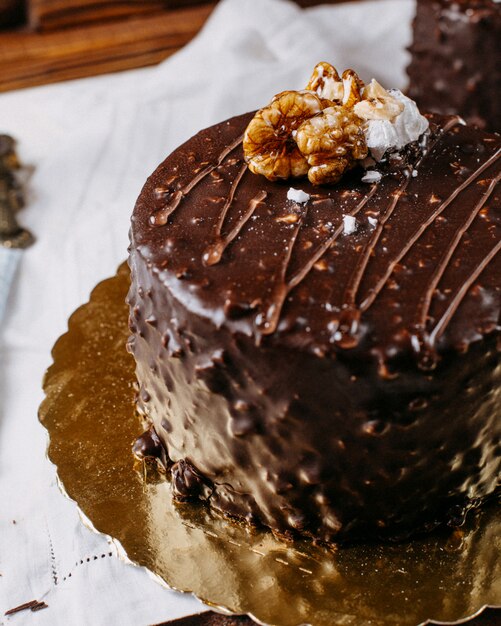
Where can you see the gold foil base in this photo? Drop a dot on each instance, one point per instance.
(90, 415)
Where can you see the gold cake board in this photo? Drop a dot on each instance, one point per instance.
(90, 416)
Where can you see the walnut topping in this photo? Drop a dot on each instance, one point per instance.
(269, 145)
(313, 132)
(325, 130)
(326, 83)
(378, 104)
(352, 87)
(332, 141)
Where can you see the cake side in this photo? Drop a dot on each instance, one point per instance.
(309, 444)
(313, 380)
(455, 59)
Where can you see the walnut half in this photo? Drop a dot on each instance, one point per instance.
(269, 145)
(331, 141)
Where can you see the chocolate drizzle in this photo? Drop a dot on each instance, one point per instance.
(294, 268)
(456, 300)
(275, 309)
(214, 252)
(161, 217)
(449, 251)
(368, 301)
(301, 274)
(267, 321)
(352, 290)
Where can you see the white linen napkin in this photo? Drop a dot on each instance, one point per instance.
(93, 142)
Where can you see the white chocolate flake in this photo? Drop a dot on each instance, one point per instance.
(298, 195)
(372, 176)
(349, 224)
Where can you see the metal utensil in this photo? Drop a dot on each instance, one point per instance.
(13, 238)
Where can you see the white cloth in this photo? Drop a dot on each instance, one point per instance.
(93, 142)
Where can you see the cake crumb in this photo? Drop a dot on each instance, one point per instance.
(297, 195)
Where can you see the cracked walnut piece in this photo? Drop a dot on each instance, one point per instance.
(326, 83)
(331, 141)
(269, 145)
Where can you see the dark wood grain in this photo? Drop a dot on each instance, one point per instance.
(12, 12)
(55, 14)
(28, 59)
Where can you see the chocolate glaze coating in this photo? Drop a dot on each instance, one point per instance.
(455, 59)
(338, 386)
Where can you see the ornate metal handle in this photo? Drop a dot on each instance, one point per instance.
(12, 235)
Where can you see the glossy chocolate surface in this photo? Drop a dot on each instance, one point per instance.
(455, 65)
(317, 382)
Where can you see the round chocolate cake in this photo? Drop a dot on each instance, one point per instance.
(323, 360)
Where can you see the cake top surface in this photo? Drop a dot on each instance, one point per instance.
(400, 260)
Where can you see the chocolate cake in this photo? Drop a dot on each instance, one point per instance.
(455, 66)
(323, 359)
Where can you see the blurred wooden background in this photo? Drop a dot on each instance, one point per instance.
(43, 41)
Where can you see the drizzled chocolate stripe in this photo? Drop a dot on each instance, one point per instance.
(229, 199)
(447, 256)
(161, 217)
(348, 323)
(267, 322)
(272, 316)
(359, 271)
(460, 295)
(301, 274)
(215, 251)
(374, 291)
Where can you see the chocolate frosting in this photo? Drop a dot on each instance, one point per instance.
(331, 384)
